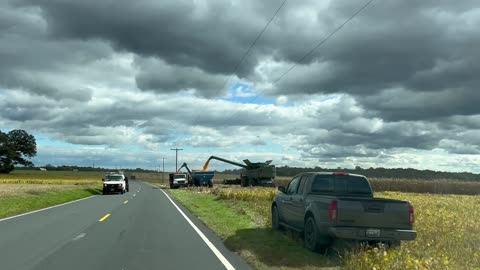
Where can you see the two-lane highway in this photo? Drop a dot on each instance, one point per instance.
(142, 229)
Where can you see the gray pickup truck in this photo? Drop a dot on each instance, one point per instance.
(326, 206)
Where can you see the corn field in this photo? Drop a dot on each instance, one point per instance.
(448, 230)
(418, 186)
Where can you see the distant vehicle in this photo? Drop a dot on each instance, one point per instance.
(113, 183)
(178, 180)
(327, 206)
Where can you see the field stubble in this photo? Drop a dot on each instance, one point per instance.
(448, 229)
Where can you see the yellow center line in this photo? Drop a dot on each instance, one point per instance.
(103, 218)
(125, 202)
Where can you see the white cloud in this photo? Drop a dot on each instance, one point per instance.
(360, 100)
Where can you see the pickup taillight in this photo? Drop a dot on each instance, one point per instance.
(411, 213)
(332, 211)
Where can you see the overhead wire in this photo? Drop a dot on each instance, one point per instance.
(311, 51)
(246, 53)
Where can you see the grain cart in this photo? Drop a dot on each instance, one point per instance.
(253, 173)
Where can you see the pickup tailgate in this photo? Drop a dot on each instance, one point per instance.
(373, 213)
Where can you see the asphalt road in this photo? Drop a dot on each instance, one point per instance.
(144, 230)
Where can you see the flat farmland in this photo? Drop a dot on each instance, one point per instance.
(26, 190)
(51, 177)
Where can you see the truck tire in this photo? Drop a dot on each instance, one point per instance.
(312, 238)
(210, 184)
(276, 219)
(394, 244)
(244, 181)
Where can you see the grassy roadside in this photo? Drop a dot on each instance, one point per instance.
(33, 199)
(244, 231)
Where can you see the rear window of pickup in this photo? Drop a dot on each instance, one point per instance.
(341, 185)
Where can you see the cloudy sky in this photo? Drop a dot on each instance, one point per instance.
(120, 83)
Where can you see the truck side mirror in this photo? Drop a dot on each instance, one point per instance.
(282, 189)
(103, 179)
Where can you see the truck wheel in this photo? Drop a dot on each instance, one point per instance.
(210, 184)
(313, 240)
(244, 181)
(394, 244)
(275, 219)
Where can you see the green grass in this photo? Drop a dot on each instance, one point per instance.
(239, 226)
(448, 231)
(28, 201)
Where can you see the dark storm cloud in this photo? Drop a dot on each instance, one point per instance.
(211, 36)
(429, 48)
(32, 62)
(158, 76)
(399, 104)
(423, 46)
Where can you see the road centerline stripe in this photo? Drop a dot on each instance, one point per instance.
(104, 218)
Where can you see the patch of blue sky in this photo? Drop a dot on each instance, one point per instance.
(243, 93)
(329, 97)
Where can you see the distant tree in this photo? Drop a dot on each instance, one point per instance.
(15, 147)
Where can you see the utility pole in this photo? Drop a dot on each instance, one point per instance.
(163, 164)
(176, 157)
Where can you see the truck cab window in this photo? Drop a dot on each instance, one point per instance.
(292, 187)
(322, 184)
(303, 180)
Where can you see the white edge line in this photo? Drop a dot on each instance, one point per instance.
(80, 236)
(43, 209)
(212, 247)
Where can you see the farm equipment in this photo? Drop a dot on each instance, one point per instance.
(253, 173)
(198, 178)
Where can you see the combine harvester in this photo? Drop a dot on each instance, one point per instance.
(197, 178)
(253, 173)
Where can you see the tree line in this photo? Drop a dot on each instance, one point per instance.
(394, 173)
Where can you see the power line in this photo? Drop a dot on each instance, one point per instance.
(247, 52)
(254, 42)
(323, 41)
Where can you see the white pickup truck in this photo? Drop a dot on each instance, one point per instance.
(113, 183)
(178, 180)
